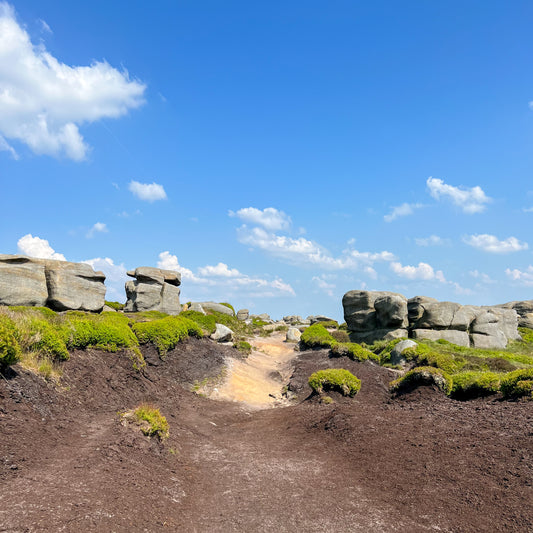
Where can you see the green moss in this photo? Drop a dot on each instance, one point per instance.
(165, 333)
(424, 375)
(108, 331)
(243, 347)
(526, 334)
(229, 306)
(10, 351)
(206, 322)
(117, 306)
(45, 338)
(343, 326)
(337, 379)
(467, 385)
(329, 323)
(517, 383)
(353, 351)
(317, 336)
(146, 316)
(237, 326)
(157, 425)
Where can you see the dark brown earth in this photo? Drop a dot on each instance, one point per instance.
(422, 462)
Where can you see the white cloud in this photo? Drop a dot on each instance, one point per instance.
(401, 211)
(224, 281)
(525, 209)
(490, 243)
(432, 240)
(269, 218)
(99, 227)
(470, 200)
(423, 272)
(219, 270)
(6, 147)
(44, 26)
(37, 247)
(305, 252)
(149, 192)
(523, 276)
(44, 101)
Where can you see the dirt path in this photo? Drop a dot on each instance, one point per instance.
(257, 381)
(363, 464)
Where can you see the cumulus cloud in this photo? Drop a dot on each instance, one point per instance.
(37, 247)
(401, 211)
(490, 243)
(523, 276)
(150, 192)
(423, 272)
(302, 251)
(99, 227)
(470, 200)
(270, 218)
(432, 240)
(225, 280)
(43, 101)
(219, 270)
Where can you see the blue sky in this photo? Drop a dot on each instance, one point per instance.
(278, 154)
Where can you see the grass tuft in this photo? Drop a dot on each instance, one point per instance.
(337, 379)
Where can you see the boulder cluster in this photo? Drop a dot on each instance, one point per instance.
(59, 285)
(377, 315)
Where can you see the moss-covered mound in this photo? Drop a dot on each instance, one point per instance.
(317, 336)
(424, 375)
(336, 379)
(518, 383)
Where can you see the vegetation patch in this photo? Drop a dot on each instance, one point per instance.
(10, 351)
(333, 324)
(337, 379)
(117, 306)
(424, 375)
(151, 421)
(206, 322)
(340, 335)
(518, 383)
(165, 333)
(244, 347)
(317, 336)
(353, 351)
(229, 306)
(466, 385)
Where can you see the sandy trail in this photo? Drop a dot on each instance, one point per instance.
(258, 380)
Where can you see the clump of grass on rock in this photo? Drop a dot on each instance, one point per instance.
(336, 379)
(424, 375)
(150, 420)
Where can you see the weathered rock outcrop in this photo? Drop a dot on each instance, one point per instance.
(153, 289)
(524, 310)
(243, 314)
(60, 285)
(376, 315)
(220, 308)
(373, 315)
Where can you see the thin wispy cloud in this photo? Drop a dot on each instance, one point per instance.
(98, 227)
(401, 211)
(432, 240)
(469, 200)
(43, 102)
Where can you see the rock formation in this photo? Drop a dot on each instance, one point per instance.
(153, 289)
(59, 285)
(524, 310)
(372, 316)
(220, 308)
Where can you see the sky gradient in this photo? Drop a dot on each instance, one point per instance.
(278, 154)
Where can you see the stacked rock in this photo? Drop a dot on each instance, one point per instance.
(153, 289)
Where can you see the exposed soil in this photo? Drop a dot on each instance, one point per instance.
(421, 462)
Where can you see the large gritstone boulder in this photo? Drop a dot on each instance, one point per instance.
(153, 289)
(59, 285)
(524, 310)
(374, 315)
(219, 308)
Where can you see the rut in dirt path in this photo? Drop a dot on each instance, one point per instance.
(257, 381)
